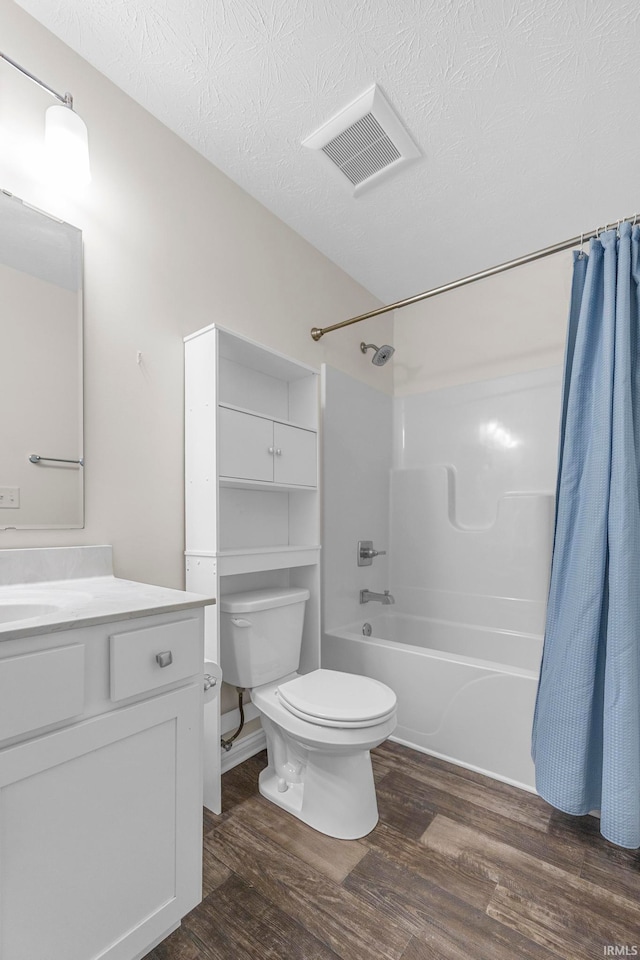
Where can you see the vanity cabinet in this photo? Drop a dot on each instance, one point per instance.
(101, 812)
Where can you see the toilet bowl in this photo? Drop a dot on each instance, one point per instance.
(319, 726)
(319, 770)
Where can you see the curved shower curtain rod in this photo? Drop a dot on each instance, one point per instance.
(318, 332)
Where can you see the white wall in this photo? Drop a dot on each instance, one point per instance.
(356, 424)
(170, 244)
(510, 323)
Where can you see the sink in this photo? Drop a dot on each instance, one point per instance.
(11, 610)
(26, 603)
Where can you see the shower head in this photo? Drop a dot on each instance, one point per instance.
(381, 355)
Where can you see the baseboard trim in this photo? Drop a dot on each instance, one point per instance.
(243, 749)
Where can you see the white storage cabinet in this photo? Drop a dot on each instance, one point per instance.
(254, 448)
(252, 498)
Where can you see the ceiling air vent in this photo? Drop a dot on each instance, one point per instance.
(366, 141)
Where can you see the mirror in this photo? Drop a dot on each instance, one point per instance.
(41, 473)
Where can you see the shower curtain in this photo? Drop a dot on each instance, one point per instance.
(586, 731)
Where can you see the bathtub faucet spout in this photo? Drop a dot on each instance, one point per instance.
(366, 595)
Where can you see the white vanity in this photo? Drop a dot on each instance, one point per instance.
(101, 712)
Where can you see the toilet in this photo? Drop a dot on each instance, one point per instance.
(320, 726)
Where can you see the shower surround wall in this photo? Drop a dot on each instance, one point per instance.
(472, 500)
(470, 523)
(356, 452)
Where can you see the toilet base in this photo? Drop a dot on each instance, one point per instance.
(337, 794)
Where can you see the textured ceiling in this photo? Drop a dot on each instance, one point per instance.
(526, 112)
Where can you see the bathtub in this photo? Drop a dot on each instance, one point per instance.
(465, 693)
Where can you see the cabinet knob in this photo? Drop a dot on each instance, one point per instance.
(271, 451)
(164, 659)
(278, 452)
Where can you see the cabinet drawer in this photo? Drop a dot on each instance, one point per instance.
(137, 657)
(40, 688)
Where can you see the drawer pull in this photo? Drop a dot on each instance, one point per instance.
(164, 659)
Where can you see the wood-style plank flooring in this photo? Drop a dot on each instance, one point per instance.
(460, 867)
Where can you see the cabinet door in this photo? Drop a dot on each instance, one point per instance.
(296, 455)
(100, 832)
(245, 447)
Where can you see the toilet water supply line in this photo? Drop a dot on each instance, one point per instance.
(227, 744)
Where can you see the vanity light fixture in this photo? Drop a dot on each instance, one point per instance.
(65, 135)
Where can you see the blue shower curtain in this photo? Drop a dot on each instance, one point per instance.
(586, 731)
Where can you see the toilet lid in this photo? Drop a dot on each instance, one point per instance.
(336, 699)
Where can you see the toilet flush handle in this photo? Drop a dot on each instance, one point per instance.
(240, 622)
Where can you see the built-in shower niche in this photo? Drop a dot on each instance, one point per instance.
(433, 554)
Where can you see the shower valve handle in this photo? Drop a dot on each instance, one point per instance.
(366, 553)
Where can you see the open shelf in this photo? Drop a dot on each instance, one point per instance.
(253, 560)
(238, 483)
(246, 353)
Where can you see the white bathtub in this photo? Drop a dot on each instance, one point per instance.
(465, 693)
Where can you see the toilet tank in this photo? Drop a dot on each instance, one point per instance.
(261, 634)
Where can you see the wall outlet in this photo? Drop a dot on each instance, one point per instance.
(9, 498)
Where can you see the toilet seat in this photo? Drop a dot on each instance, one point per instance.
(331, 698)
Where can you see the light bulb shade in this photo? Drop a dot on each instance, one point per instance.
(67, 145)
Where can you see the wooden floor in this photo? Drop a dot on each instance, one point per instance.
(459, 866)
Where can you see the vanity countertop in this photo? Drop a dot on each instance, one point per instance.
(81, 602)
